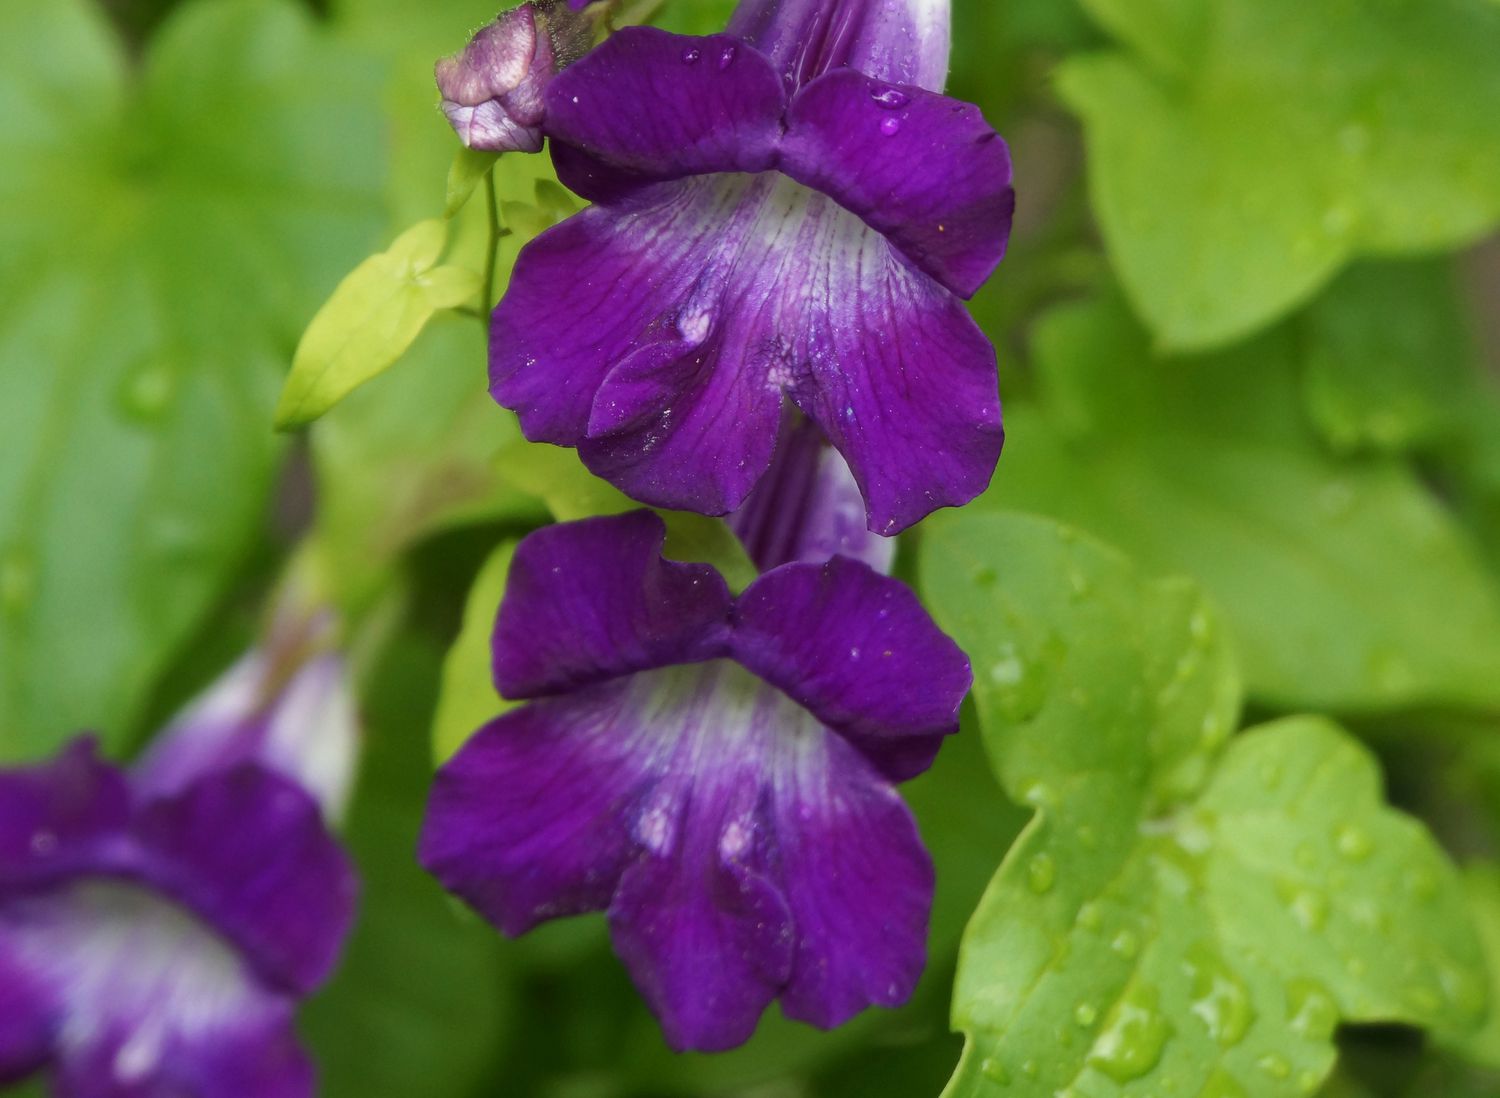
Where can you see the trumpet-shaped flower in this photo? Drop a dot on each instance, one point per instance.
(158, 926)
(790, 212)
(717, 773)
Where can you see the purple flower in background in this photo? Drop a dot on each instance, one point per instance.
(493, 89)
(718, 773)
(158, 926)
(787, 212)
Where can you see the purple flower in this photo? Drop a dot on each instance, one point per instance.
(716, 772)
(493, 89)
(158, 927)
(794, 222)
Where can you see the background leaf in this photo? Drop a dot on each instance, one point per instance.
(1243, 150)
(1328, 570)
(1184, 914)
(161, 241)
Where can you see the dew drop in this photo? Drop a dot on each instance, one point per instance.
(1219, 1000)
(1127, 944)
(1030, 1069)
(727, 57)
(1311, 1010)
(1221, 1085)
(1090, 916)
(1132, 1042)
(692, 54)
(1352, 842)
(891, 99)
(1275, 1066)
(1085, 1014)
(994, 1071)
(890, 126)
(146, 392)
(1041, 872)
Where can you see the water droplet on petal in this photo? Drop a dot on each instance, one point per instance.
(691, 54)
(890, 126)
(727, 57)
(891, 99)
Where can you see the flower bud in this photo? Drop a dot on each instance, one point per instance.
(493, 89)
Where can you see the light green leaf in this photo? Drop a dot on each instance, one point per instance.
(1247, 149)
(164, 234)
(413, 453)
(1482, 884)
(1186, 913)
(420, 1003)
(1328, 570)
(469, 167)
(376, 313)
(1388, 364)
(468, 699)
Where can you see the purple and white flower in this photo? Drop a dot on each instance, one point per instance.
(716, 772)
(158, 926)
(790, 212)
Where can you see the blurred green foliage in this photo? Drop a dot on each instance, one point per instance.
(1232, 344)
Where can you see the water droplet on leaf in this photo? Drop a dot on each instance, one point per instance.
(1132, 1042)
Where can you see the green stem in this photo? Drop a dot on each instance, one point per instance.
(492, 206)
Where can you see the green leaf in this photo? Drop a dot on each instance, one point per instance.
(1242, 151)
(413, 453)
(1482, 884)
(469, 167)
(376, 313)
(163, 236)
(1186, 913)
(421, 1001)
(1328, 569)
(1389, 365)
(468, 699)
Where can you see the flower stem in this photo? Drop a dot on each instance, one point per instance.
(492, 207)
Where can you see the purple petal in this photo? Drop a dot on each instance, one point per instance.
(27, 1019)
(527, 821)
(708, 940)
(592, 600)
(905, 385)
(859, 883)
(902, 40)
(61, 816)
(303, 728)
(662, 106)
(855, 647)
(808, 507)
(248, 851)
(149, 1000)
(658, 336)
(925, 170)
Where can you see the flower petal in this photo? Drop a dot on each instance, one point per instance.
(148, 999)
(61, 816)
(247, 850)
(709, 945)
(855, 647)
(528, 821)
(27, 1019)
(924, 169)
(859, 884)
(662, 106)
(593, 600)
(904, 384)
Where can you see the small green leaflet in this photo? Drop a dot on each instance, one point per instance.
(376, 313)
(1242, 151)
(165, 231)
(1188, 914)
(1206, 466)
